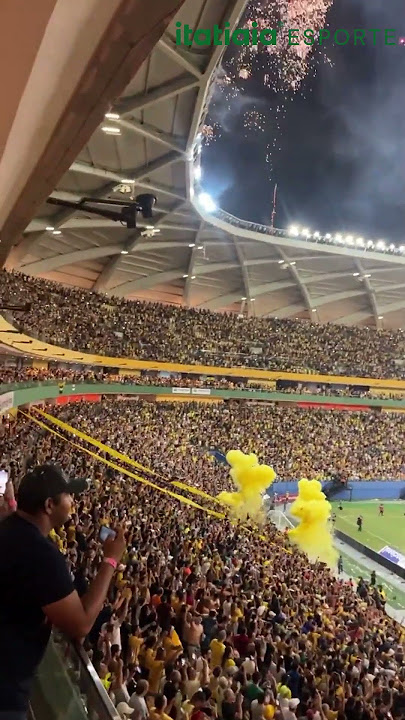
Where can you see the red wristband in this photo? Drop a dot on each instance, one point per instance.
(111, 561)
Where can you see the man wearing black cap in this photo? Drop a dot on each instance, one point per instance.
(36, 589)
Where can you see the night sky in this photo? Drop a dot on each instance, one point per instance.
(340, 165)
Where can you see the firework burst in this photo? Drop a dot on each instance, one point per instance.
(281, 68)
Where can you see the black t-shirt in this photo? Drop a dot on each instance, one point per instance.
(228, 710)
(33, 573)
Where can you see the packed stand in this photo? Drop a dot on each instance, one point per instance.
(86, 321)
(351, 391)
(10, 375)
(178, 440)
(206, 621)
(296, 442)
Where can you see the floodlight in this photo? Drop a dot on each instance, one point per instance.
(207, 203)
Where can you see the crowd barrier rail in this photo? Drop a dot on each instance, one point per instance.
(67, 687)
(10, 336)
(360, 490)
(16, 394)
(371, 554)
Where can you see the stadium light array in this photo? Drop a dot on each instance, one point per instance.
(111, 130)
(347, 240)
(207, 203)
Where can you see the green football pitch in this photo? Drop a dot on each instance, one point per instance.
(377, 531)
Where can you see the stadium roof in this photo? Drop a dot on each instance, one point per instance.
(200, 256)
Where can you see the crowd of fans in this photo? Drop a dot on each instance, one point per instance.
(86, 321)
(9, 375)
(339, 391)
(173, 438)
(204, 619)
(179, 440)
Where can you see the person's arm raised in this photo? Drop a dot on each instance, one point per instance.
(76, 616)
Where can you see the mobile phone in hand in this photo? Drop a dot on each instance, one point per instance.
(3, 481)
(106, 532)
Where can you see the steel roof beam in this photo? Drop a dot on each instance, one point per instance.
(107, 174)
(173, 52)
(337, 297)
(370, 292)
(136, 174)
(99, 223)
(164, 92)
(355, 318)
(388, 288)
(263, 289)
(244, 273)
(156, 278)
(53, 263)
(300, 282)
(145, 282)
(158, 164)
(288, 310)
(361, 315)
(200, 270)
(392, 307)
(48, 264)
(191, 264)
(151, 133)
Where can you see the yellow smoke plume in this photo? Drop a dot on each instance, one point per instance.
(313, 534)
(251, 480)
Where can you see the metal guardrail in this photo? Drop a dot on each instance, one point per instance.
(35, 393)
(9, 387)
(317, 238)
(98, 703)
(67, 686)
(371, 554)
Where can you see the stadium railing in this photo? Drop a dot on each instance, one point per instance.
(67, 686)
(31, 392)
(9, 387)
(372, 554)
